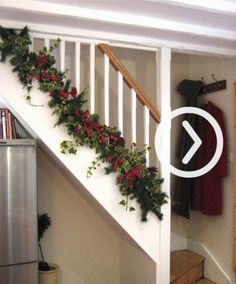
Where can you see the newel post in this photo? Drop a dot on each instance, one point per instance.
(163, 65)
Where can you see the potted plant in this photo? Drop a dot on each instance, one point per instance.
(47, 271)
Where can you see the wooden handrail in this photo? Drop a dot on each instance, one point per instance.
(115, 62)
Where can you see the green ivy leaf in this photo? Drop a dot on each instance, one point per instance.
(123, 202)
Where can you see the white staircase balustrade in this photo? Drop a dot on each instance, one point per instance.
(146, 130)
(133, 116)
(106, 89)
(40, 123)
(120, 101)
(77, 65)
(92, 77)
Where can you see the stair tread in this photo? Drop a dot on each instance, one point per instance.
(183, 261)
(205, 281)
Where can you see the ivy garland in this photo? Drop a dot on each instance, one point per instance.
(135, 179)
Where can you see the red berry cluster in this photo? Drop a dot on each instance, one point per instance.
(131, 176)
(91, 126)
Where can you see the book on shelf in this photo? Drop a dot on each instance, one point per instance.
(8, 125)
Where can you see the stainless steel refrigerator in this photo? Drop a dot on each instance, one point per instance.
(18, 212)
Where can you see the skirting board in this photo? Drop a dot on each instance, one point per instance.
(212, 269)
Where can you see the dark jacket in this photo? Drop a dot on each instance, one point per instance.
(181, 189)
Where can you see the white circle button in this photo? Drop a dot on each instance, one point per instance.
(160, 133)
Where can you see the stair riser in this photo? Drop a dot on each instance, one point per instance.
(191, 276)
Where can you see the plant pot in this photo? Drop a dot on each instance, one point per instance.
(49, 277)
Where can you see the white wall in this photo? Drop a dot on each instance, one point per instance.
(79, 241)
(214, 232)
(136, 268)
(2, 104)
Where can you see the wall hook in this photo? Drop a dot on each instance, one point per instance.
(219, 83)
(214, 78)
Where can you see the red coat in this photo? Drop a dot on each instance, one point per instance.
(206, 193)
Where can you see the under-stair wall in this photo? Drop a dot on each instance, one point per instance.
(84, 246)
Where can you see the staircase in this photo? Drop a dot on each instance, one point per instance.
(151, 237)
(187, 267)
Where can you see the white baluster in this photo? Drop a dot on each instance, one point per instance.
(133, 115)
(92, 78)
(120, 101)
(31, 47)
(146, 117)
(106, 89)
(62, 55)
(77, 65)
(46, 43)
(163, 57)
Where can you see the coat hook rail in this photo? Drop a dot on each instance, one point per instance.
(213, 87)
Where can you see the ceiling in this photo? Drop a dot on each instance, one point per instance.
(184, 25)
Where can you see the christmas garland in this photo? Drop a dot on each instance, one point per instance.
(135, 179)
